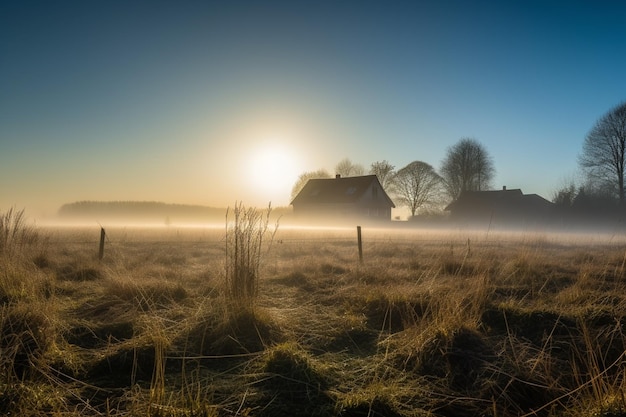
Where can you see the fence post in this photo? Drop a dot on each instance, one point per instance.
(101, 251)
(360, 243)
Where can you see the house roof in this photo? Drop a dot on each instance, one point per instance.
(337, 190)
(514, 197)
(538, 200)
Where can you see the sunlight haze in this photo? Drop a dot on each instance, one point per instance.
(272, 169)
(215, 102)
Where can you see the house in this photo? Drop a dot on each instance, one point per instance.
(343, 198)
(501, 207)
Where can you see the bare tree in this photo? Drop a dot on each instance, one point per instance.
(384, 171)
(604, 151)
(346, 168)
(466, 167)
(416, 185)
(304, 178)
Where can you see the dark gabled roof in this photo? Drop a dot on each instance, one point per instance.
(538, 200)
(470, 198)
(337, 190)
(473, 199)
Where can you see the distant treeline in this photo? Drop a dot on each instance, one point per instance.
(144, 211)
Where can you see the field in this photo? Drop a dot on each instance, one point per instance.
(431, 323)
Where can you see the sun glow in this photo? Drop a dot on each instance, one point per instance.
(273, 169)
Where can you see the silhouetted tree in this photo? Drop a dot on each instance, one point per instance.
(604, 150)
(564, 197)
(304, 178)
(416, 185)
(384, 171)
(595, 203)
(346, 168)
(466, 167)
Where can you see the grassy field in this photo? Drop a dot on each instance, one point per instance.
(448, 323)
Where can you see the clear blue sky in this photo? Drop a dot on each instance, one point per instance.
(215, 102)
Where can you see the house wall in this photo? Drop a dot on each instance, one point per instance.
(353, 210)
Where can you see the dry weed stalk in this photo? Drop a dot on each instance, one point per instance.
(244, 251)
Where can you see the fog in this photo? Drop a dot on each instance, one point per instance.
(580, 228)
(289, 228)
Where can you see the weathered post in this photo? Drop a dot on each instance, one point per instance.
(101, 251)
(360, 243)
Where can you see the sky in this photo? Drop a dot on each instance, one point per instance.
(201, 102)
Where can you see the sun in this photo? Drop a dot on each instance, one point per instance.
(272, 171)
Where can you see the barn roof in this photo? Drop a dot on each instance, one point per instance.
(337, 190)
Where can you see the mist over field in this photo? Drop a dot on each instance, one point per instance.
(157, 214)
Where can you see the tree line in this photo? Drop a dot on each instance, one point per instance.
(418, 186)
(137, 211)
(467, 166)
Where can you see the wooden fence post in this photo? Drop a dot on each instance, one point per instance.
(101, 251)
(360, 243)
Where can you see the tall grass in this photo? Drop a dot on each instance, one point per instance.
(15, 234)
(246, 232)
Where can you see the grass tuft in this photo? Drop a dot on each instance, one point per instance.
(80, 273)
(295, 382)
(373, 401)
(244, 331)
(26, 336)
(16, 236)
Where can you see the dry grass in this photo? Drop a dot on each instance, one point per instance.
(441, 324)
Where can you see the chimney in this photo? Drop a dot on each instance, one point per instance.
(504, 188)
(337, 176)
